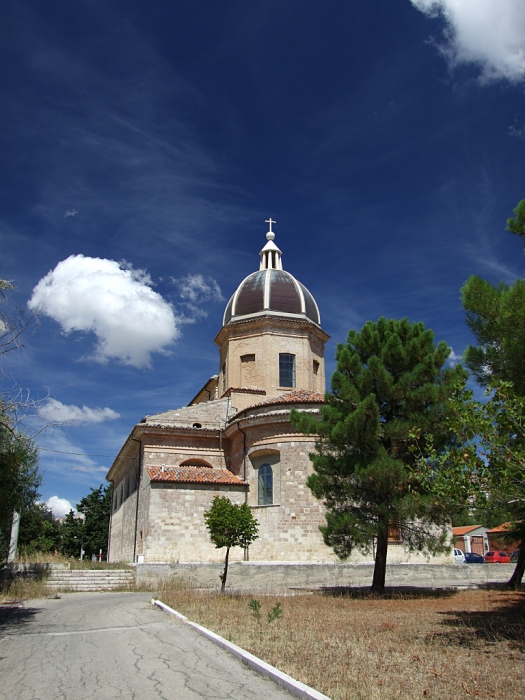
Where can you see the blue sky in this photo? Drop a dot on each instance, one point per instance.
(144, 145)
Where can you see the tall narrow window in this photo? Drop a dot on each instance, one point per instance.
(224, 378)
(286, 370)
(265, 485)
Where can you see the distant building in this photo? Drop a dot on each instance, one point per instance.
(471, 538)
(499, 540)
(234, 438)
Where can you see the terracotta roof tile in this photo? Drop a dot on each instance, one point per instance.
(501, 528)
(193, 475)
(301, 396)
(464, 529)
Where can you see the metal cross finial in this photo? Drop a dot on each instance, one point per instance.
(270, 222)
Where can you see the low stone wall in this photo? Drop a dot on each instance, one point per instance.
(260, 576)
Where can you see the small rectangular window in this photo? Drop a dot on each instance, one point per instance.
(316, 368)
(286, 370)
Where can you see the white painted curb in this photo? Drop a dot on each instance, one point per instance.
(296, 688)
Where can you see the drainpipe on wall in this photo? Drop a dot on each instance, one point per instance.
(139, 479)
(110, 518)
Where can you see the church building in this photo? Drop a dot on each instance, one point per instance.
(234, 438)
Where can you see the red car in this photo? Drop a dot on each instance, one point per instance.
(497, 558)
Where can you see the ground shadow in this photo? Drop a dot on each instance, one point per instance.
(14, 617)
(391, 592)
(503, 622)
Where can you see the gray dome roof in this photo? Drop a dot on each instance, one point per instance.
(271, 292)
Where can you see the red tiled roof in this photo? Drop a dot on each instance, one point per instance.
(193, 475)
(301, 396)
(464, 529)
(501, 528)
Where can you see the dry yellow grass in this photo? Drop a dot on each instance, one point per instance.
(467, 644)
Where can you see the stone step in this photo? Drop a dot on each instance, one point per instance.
(91, 579)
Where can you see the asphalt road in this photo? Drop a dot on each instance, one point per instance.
(115, 645)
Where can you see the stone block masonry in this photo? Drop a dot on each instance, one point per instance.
(279, 577)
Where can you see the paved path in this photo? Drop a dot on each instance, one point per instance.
(115, 645)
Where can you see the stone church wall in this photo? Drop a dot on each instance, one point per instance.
(177, 531)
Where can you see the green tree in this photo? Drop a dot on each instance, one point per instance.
(490, 456)
(389, 378)
(517, 225)
(39, 530)
(230, 525)
(496, 316)
(97, 510)
(71, 535)
(19, 477)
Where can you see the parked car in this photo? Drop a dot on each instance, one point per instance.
(514, 556)
(497, 558)
(459, 557)
(472, 558)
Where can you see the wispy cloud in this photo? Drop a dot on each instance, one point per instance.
(96, 295)
(57, 412)
(489, 33)
(197, 289)
(58, 454)
(70, 212)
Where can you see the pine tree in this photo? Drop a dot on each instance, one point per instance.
(390, 378)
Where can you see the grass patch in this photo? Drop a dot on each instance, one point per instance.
(358, 647)
(24, 588)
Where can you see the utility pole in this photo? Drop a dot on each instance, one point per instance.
(13, 545)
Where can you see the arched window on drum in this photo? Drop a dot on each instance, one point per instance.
(265, 485)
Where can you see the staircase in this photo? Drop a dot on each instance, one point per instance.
(90, 579)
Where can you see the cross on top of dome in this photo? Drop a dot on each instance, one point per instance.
(270, 235)
(270, 254)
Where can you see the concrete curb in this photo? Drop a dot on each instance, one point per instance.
(296, 688)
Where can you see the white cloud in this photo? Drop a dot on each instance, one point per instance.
(60, 507)
(57, 412)
(490, 33)
(130, 320)
(453, 358)
(196, 289)
(70, 212)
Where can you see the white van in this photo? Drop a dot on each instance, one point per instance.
(459, 557)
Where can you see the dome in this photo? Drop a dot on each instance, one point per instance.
(271, 291)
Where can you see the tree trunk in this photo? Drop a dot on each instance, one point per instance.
(225, 572)
(378, 582)
(515, 579)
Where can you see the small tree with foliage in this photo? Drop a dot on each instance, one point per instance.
(389, 377)
(230, 525)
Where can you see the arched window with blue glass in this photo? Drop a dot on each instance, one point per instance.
(265, 485)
